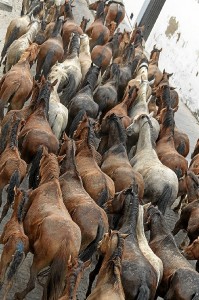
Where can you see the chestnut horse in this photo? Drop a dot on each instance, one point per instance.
(37, 130)
(16, 85)
(77, 200)
(109, 283)
(180, 280)
(192, 252)
(97, 184)
(97, 31)
(154, 73)
(46, 216)
(16, 243)
(12, 167)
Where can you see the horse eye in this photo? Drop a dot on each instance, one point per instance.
(143, 117)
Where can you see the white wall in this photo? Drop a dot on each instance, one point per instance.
(177, 32)
(133, 6)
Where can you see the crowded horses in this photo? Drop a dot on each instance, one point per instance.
(91, 159)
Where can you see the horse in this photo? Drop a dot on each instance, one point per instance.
(99, 34)
(37, 130)
(41, 35)
(16, 85)
(97, 184)
(69, 26)
(77, 201)
(165, 147)
(109, 278)
(83, 100)
(84, 55)
(144, 284)
(18, 27)
(106, 94)
(191, 252)
(115, 162)
(68, 73)
(196, 149)
(180, 280)
(154, 73)
(50, 52)
(20, 45)
(40, 225)
(12, 167)
(125, 41)
(16, 243)
(84, 23)
(161, 183)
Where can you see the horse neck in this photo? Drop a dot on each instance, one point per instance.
(128, 100)
(168, 124)
(32, 32)
(68, 14)
(145, 138)
(85, 48)
(158, 228)
(68, 165)
(116, 136)
(140, 228)
(49, 171)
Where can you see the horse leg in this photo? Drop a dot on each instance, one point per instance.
(36, 267)
(93, 275)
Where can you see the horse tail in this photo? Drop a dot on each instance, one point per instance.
(144, 293)
(103, 197)
(3, 137)
(98, 41)
(76, 121)
(68, 88)
(88, 252)
(18, 258)
(118, 17)
(164, 198)
(181, 148)
(13, 36)
(47, 64)
(57, 275)
(14, 182)
(34, 170)
(178, 172)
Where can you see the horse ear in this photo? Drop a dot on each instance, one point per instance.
(172, 88)
(151, 114)
(136, 25)
(45, 151)
(176, 108)
(169, 75)
(65, 137)
(123, 235)
(154, 47)
(60, 158)
(164, 71)
(160, 50)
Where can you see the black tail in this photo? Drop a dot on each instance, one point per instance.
(47, 64)
(13, 135)
(144, 293)
(103, 197)
(14, 181)
(11, 39)
(91, 77)
(68, 88)
(181, 148)
(87, 253)
(76, 121)
(98, 41)
(57, 28)
(34, 170)
(164, 199)
(4, 135)
(118, 17)
(19, 255)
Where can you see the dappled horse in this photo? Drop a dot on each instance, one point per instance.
(16, 243)
(97, 31)
(180, 280)
(16, 85)
(82, 208)
(109, 283)
(97, 184)
(12, 167)
(161, 183)
(37, 130)
(47, 215)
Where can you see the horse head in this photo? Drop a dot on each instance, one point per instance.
(192, 251)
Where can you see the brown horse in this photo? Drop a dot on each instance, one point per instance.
(97, 184)
(47, 215)
(37, 130)
(12, 167)
(16, 243)
(77, 200)
(115, 162)
(154, 73)
(125, 40)
(69, 25)
(50, 52)
(16, 85)
(192, 252)
(97, 31)
(180, 280)
(109, 285)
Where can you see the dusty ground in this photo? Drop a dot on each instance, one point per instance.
(184, 120)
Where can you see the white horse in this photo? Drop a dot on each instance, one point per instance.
(161, 183)
(68, 73)
(154, 260)
(84, 54)
(21, 44)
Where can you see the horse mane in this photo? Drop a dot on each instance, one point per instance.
(76, 121)
(128, 53)
(34, 170)
(20, 212)
(91, 136)
(153, 213)
(57, 28)
(134, 65)
(138, 40)
(74, 45)
(37, 9)
(169, 121)
(166, 97)
(13, 135)
(44, 96)
(91, 77)
(114, 73)
(100, 10)
(121, 130)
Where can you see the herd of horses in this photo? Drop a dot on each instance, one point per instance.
(92, 129)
